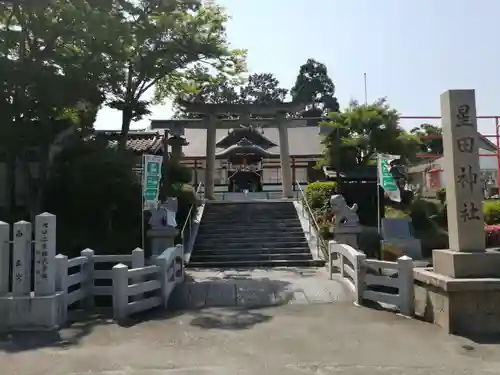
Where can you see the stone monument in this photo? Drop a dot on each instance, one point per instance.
(346, 227)
(461, 293)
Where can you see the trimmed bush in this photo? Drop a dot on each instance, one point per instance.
(441, 195)
(318, 194)
(491, 211)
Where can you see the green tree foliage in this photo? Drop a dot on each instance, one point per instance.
(44, 48)
(258, 88)
(432, 146)
(314, 87)
(364, 130)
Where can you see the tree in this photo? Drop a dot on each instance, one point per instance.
(163, 41)
(364, 130)
(314, 87)
(262, 88)
(44, 97)
(258, 88)
(432, 146)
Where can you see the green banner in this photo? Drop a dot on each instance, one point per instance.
(151, 179)
(386, 179)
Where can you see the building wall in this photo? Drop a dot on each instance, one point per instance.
(488, 166)
(271, 170)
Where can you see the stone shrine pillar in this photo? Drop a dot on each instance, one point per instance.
(210, 160)
(286, 168)
(464, 191)
(461, 293)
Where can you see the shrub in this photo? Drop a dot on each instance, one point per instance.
(96, 196)
(491, 211)
(318, 195)
(420, 212)
(441, 195)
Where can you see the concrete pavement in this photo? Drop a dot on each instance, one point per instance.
(337, 338)
(258, 287)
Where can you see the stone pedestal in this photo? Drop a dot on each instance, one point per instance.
(32, 313)
(461, 293)
(161, 239)
(348, 235)
(469, 306)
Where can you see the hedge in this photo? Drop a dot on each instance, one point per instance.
(491, 211)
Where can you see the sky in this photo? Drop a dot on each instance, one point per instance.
(411, 50)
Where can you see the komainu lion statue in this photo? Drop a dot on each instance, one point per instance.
(344, 215)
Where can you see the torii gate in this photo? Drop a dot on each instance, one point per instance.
(265, 115)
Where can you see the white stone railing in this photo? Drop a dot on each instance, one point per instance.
(161, 278)
(86, 275)
(37, 286)
(354, 267)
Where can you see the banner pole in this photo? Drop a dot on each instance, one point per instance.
(142, 204)
(378, 193)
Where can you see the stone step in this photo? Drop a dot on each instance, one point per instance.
(272, 225)
(248, 244)
(243, 216)
(295, 234)
(240, 250)
(250, 257)
(257, 264)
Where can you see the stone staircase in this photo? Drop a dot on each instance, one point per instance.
(251, 234)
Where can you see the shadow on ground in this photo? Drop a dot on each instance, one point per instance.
(80, 325)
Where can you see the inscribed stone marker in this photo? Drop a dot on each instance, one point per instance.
(21, 259)
(45, 254)
(461, 168)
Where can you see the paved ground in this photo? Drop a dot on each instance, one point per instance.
(316, 339)
(259, 287)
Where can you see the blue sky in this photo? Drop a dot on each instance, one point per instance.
(411, 50)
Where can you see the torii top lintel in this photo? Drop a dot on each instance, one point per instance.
(268, 115)
(241, 109)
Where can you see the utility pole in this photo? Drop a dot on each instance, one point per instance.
(366, 90)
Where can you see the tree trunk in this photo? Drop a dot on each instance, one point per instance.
(126, 121)
(127, 112)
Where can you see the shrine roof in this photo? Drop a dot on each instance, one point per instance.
(138, 141)
(244, 147)
(255, 136)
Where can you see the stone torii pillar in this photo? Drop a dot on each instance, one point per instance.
(286, 168)
(211, 125)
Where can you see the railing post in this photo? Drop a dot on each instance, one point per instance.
(120, 292)
(21, 259)
(62, 280)
(341, 264)
(4, 257)
(88, 285)
(359, 282)
(330, 260)
(406, 288)
(162, 263)
(61, 273)
(137, 262)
